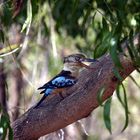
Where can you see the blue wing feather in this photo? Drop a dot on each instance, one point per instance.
(62, 80)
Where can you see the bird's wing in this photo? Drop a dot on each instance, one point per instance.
(62, 80)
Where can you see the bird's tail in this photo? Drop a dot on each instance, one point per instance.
(41, 100)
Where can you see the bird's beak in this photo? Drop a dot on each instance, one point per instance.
(87, 60)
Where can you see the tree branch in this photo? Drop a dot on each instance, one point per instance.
(56, 113)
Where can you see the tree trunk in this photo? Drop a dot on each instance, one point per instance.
(16, 88)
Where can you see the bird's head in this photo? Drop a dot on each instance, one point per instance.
(75, 62)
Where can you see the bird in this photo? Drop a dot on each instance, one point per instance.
(68, 77)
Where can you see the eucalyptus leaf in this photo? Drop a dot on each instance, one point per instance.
(105, 25)
(126, 109)
(100, 95)
(10, 135)
(119, 96)
(106, 113)
(117, 74)
(5, 125)
(133, 79)
(29, 17)
(114, 56)
(132, 48)
(2, 38)
(87, 15)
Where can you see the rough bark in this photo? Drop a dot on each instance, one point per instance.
(56, 113)
(14, 101)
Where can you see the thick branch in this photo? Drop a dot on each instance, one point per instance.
(82, 100)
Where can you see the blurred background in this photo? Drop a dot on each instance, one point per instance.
(35, 35)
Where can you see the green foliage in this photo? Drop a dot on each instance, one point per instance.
(114, 56)
(2, 36)
(125, 108)
(117, 74)
(5, 128)
(28, 21)
(106, 113)
(6, 13)
(100, 95)
(123, 101)
(74, 10)
(131, 77)
(133, 51)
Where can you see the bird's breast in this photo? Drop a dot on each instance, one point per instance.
(58, 90)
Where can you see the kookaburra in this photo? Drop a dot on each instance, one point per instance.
(67, 77)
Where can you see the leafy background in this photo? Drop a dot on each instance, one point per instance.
(36, 35)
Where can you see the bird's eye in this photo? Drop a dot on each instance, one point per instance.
(77, 58)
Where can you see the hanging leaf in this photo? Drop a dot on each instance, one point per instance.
(106, 114)
(5, 125)
(126, 109)
(29, 17)
(114, 56)
(105, 25)
(117, 74)
(75, 6)
(102, 46)
(9, 50)
(2, 38)
(134, 81)
(123, 101)
(100, 50)
(133, 50)
(130, 52)
(100, 95)
(119, 96)
(93, 17)
(87, 15)
(10, 135)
